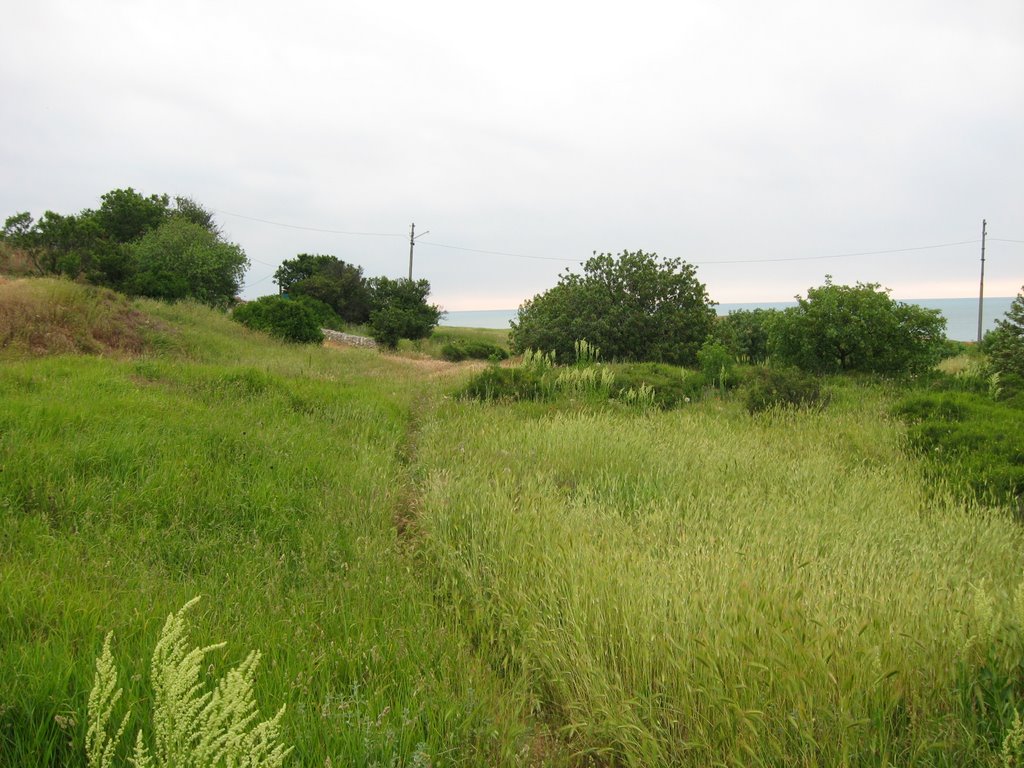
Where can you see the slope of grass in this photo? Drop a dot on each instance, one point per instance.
(429, 578)
(51, 316)
(701, 587)
(262, 476)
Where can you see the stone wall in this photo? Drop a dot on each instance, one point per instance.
(348, 338)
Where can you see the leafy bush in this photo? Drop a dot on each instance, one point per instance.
(401, 310)
(284, 318)
(459, 350)
(977, 442)
(180, 260)
(782, 387)
(718, 365)
(857, 328)
(672, 385)
(1005, 343)
(634, 306)
(520, 383)
(325, 316)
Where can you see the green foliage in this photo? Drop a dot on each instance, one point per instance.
(857, 328)
(718, 365)
(188, 209)
(634, 306)
(325, 316)
(181, 260)
(508, 384)
(401, 310)
(456, 351)
(1005, 343)
(328, 279)
(281, 317)
(125, 215)
(745, 333)
(669, 383)
(975, 442)
(188, 725)
(99, 245)
(779, 387)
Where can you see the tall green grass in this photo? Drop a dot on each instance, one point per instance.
(701, 587)
(265, 478)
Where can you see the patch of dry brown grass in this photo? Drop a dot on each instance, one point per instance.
(43, 316)
(15, 262)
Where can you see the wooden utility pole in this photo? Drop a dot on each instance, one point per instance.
(412, 243)
(981, 289)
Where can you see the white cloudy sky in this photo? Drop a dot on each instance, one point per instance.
(726, 131)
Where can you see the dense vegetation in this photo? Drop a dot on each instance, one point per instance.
(145, 246)
(628, 569)
(857, 328)
(281, 317)
(392, 309)
(634, 306)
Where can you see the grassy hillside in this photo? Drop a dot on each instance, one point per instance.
(441, 582)
(264, 477)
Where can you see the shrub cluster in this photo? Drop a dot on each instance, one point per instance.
(977, 442)
(672, 385)
(145, 246)
(284, 318)
(462, 349)
(782, 388)
(520, 383)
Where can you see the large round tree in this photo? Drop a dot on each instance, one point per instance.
(857, 328)
(634, 306)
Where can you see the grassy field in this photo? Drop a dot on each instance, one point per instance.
(441, 582)
(266, 478)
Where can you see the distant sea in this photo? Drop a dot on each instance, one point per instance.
(961, 314)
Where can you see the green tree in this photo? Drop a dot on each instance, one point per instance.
(745, 333)
(339, 285)
(180, 260)
(857, 328)
(634, 306)
(302, 267)
(126, 215)
(1005, 343)
(188, 209)
(400, 310)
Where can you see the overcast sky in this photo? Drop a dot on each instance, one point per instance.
(725, 131)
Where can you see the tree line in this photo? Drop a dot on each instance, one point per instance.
(322, 291)
(152, 246)
(637, 306)
(171, 249)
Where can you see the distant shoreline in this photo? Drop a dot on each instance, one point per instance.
(961, 313)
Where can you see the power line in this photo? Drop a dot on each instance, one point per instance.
(578, 261)
(726, 261)
(839, 255)
(496, 253)
(310, 229)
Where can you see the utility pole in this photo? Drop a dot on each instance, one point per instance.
(412, 243)
(981, 290)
